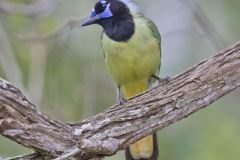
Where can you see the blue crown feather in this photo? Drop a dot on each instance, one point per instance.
(106, 13)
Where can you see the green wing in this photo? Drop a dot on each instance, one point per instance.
(154, 30)
(155, 34)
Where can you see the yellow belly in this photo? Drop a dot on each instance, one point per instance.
(134, 60)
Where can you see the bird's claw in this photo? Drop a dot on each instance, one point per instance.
(121, 101)
(162, 80)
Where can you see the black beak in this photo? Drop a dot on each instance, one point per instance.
(91, 20)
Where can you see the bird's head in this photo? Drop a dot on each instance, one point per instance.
(107, 12)
(116, 17)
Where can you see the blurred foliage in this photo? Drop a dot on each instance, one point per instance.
(76, 85)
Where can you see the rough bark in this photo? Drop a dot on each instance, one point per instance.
(120, 125)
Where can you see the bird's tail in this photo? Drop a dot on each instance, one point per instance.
(146, 148)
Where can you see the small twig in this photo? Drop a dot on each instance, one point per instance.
(38, 8)
(73, 153)
(51, 35)
(24, 157)
(37, 71)
(9, 62)
(205, 24)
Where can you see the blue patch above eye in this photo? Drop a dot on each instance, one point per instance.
(93, 13)
(107, 13)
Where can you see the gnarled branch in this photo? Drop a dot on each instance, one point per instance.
(120, 125)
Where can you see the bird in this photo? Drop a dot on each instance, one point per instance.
(131, 45)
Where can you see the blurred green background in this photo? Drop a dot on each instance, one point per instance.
(65, 75)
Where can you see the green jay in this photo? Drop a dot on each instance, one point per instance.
(132, 49)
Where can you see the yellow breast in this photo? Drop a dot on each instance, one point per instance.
(136, 59)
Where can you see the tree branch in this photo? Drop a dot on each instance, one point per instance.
(38, 8)
(120, 125)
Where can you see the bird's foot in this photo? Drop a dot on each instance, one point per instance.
(161, 80)
(121, 101)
